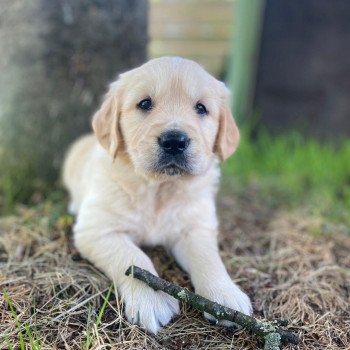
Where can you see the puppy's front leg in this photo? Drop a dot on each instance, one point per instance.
(113, 253)
(197, 253)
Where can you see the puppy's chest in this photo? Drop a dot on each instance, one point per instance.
(157, 211)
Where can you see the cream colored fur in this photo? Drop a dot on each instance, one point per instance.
(122, 204)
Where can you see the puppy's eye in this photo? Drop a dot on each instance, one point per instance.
(145, 105)
(200, 109)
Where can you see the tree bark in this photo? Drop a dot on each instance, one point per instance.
(57, 58)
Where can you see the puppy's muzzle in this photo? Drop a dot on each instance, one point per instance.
(173, 158)
(173, 142)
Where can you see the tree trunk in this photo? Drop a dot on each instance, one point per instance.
(57, 58)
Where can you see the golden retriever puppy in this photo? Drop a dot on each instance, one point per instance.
(148, 176)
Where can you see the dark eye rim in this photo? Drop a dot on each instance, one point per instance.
(145, 108)
(201, 109)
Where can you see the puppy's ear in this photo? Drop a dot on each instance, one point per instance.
(105, 121)
(228, 134)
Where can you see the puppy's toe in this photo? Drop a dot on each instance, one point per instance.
(158, 311)
(168, 310)
(150, 309)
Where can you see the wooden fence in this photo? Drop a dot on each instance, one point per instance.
(196, 29)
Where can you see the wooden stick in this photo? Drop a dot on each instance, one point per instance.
(270, 331)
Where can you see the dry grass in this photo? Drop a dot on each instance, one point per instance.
(293, 267)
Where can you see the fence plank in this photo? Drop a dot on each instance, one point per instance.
(196, 29)
(183, 11)
(190, 31)
(188, 48)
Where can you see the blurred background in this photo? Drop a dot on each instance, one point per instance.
(286, 62)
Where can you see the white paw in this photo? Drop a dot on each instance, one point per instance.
(226, 293)
(148, 308)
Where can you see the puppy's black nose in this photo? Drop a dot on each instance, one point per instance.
(173, 141)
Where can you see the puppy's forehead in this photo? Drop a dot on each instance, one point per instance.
(172, 75)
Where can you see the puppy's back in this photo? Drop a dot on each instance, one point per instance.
(74, 169)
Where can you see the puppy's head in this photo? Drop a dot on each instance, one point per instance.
(169, 116)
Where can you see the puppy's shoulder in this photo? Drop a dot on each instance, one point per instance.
(76, 157)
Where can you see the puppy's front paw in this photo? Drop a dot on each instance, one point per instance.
(226, 293)
(148, 308)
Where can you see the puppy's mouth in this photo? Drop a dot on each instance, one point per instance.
(173, 166)
(172, 170)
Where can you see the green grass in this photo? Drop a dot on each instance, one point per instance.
(89, 334)
(291, 170)
(33, 337)
(33, 341)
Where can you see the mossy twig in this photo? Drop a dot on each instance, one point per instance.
(270, 331)
(272, 341)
